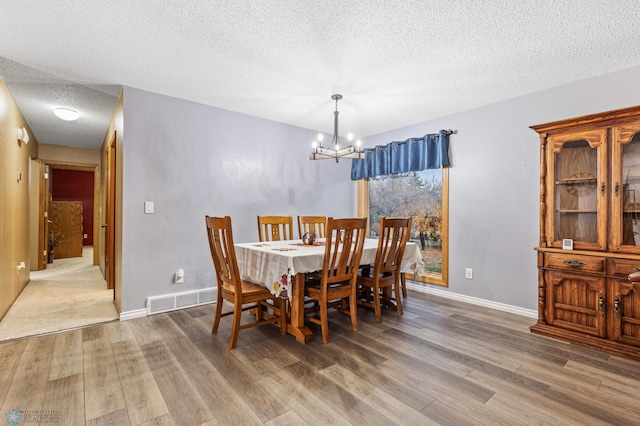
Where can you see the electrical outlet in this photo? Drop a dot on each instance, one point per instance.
(468, 273)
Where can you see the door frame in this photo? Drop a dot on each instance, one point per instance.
(45, 189)
(110, 215)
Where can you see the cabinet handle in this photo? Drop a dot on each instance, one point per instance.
(616, 306)
(574, 263)
(601, 304)
(602, 189)
(617, 189)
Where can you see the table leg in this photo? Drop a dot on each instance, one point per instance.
(296, 325)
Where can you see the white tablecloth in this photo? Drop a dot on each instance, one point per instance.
(274, 263)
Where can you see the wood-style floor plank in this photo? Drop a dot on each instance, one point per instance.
(67, 355)
(143, 398)
(10, 354)
(178, 392)
(118, 417)
(119, 331)
(307, 405)
(31, 376)
(166, 420)
(103, 391)
(288, 418)
(226, 375)
(221, 397)
(383, 402)
(443, 362)
(64, 400)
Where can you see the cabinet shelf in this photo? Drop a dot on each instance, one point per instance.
(574, 211)
(573, 181)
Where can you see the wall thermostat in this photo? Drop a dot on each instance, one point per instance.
(567, 244)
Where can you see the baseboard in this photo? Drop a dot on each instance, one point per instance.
(138, 313)
(416, 286)
(424, 288)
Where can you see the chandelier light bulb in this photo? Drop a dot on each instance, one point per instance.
(350, 137)
(314, 144)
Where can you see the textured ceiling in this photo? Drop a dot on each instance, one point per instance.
(395, 62)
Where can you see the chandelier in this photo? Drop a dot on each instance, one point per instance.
(334, 150)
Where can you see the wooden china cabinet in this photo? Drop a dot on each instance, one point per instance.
(590, 197)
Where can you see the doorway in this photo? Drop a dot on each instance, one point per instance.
(63, 182)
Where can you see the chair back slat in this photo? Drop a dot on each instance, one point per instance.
(394, 234)
(343, 249)
(275, 228)
(223, 253)
(315, 224)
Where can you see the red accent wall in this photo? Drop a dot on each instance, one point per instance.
(76, 185)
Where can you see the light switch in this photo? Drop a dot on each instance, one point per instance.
(148, 207)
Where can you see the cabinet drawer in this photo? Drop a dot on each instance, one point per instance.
(623, 267)
(592, 264)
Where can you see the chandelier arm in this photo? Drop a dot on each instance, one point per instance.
(336, 137)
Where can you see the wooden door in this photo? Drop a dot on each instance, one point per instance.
(576, 302)
(576, 195)
(625, 198)
(625, 315)
(43, 216)
(66, 221)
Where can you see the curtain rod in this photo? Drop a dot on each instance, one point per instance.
(433, 135)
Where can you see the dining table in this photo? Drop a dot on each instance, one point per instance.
(281, 266)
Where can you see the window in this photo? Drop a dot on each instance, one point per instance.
(423, 196)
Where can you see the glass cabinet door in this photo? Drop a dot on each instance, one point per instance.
(625, 209)
(578, 167)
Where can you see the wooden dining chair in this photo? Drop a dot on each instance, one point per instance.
(275, 228)
(382, 282)
(235, 290)
(337, 283)
(315, 224)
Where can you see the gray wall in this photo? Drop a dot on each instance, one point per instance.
(194, 160)
(494, 182)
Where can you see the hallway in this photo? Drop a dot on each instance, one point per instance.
(70, 293)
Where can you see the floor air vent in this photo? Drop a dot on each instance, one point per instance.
(187, 299)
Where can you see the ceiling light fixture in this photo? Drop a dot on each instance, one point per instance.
(334, 151)
(66, 114)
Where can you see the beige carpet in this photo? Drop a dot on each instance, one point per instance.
(70, 293)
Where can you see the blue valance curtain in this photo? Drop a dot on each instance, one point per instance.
(414, 154)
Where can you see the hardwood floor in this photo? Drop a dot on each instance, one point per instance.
(443, 362)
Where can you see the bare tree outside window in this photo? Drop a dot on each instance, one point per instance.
(419, 195)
